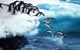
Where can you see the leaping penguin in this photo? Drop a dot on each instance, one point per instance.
(40, 13)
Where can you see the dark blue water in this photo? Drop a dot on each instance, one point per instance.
(69, 25)
(42, 43)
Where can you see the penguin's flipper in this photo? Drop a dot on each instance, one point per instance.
(41, 13)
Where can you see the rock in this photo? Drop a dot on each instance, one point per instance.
(13, 43)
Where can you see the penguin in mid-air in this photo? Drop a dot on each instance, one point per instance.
(1, 5)
(12, 5)
(40, 13)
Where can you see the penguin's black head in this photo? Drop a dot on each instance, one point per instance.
(16, 1)
(22, 2)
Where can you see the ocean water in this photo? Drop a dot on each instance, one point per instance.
(42, 43)
(69, 23)
(67, 15)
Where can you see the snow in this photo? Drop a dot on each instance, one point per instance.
(19, 24)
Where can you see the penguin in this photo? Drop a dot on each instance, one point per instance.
(18, 7)
(20, 4)
(1, 5)
(50, 19)
(24, 8)
(14, 10)
(40, 13)
(12, 5)
(29, 4)
(60, 34)
(47, 21)
(29, 10)
(9, 8)
(33, 8)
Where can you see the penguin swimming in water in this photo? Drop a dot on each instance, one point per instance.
(12, 5)
(40, 13)
(60, 34)
(1, 5)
